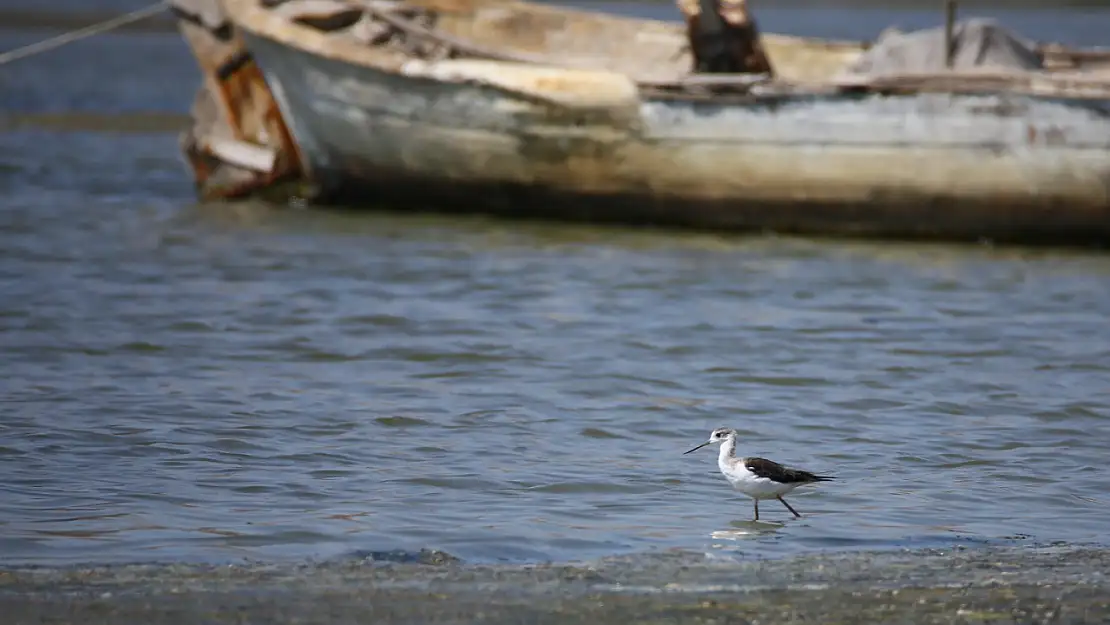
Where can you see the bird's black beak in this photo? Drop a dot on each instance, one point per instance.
(696, 448)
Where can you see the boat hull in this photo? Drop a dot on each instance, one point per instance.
(1003, 167)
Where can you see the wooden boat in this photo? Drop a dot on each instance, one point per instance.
(523, 109)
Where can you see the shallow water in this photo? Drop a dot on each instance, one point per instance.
(211, 383)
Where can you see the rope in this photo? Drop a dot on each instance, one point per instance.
(88, 31)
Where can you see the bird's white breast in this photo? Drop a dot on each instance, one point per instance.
(751, 484)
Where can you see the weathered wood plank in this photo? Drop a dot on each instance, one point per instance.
(578, 90)
(247, 155)
(709, 80)
(1072, 85)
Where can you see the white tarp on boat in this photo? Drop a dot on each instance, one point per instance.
(978, 44)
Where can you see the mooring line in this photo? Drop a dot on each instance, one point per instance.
(81, 33)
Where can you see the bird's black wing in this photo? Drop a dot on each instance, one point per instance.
(783, 475)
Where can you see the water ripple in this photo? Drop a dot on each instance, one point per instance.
(225, 382)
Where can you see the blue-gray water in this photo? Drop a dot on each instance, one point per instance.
(212, 382)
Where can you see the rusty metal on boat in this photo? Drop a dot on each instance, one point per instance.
(534, 110)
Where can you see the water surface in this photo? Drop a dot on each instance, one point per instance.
(212, 383)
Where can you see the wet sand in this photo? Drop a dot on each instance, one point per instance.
(1056, 584)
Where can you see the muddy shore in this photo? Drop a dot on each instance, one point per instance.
(1025, 585)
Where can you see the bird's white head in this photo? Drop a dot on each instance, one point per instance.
(719, 435)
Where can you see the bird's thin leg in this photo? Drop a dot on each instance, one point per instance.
(756, 509)
(788, 507)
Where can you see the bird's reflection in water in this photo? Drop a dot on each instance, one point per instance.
(746, 529)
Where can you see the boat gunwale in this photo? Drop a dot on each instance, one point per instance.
(261, 21)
